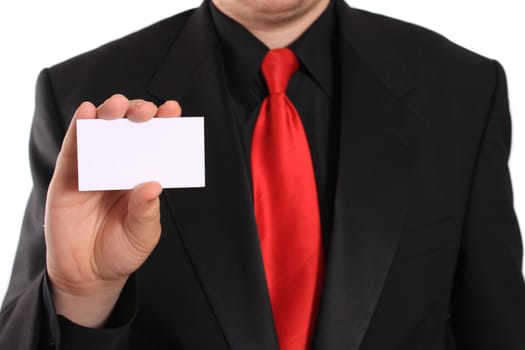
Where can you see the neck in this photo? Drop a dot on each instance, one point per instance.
(278, 28)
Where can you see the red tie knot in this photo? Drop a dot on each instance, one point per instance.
(277, 68)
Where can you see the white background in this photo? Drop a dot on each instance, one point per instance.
(36, 34)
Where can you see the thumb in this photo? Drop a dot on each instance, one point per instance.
(142, 222)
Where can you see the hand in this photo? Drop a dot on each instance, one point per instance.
(95, 240)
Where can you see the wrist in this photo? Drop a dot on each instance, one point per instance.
(87, 305)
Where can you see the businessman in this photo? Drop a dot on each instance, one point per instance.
(357, 192)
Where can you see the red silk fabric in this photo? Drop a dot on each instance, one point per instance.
(286, 207)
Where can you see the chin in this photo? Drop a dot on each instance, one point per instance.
(282, 8)
(250, 12)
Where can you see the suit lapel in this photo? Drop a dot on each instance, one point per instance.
(216, 223)
(378, 136)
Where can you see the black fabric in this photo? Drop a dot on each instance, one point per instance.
(64, 334)
(310, 89)
(425, 250)
(115, 332)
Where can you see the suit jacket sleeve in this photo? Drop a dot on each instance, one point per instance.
(27, 318)
(488, 310)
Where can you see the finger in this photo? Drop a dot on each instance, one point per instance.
(141, 110)
(142, 221)
(66, 166)
(113, 108)
(169, 109)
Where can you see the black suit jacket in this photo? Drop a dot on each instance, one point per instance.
(425, 251)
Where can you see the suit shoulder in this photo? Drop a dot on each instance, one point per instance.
(149, 39)
(405, 54)
(120, 66)
(415, 41)
(124, 56)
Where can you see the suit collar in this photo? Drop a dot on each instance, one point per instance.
(187, 57)
(369, 38)
(199, 38)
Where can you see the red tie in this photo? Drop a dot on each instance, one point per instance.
(286, 207)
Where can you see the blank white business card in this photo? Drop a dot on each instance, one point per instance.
(120, 154)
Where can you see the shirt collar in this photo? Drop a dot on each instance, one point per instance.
(243, 53)
(315, 49)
